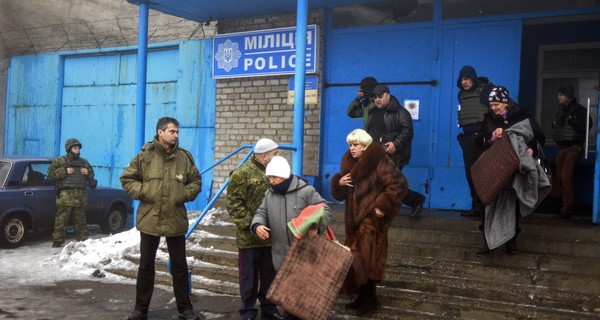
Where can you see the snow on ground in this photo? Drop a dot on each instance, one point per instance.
(37, 262)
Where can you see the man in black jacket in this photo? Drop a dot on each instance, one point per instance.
(391, 125)
(569, 130)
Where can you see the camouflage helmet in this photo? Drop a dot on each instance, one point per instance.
(71, 143)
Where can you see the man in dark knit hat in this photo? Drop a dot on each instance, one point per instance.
(470, 116)
(569, 129)
(359, 107)
(390, 124)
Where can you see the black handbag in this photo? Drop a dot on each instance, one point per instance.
(541, 159)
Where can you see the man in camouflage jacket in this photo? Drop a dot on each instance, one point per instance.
(163, 177)
(245, 193)
(72, 174)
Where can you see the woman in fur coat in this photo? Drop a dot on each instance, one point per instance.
(373, 188)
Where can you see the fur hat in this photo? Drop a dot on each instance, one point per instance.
(265, 145)
(567, 91)
(278, 167)
(499, 94)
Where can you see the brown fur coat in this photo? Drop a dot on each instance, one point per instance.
(378, 183)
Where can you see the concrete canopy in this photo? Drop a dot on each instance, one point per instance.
(209, 10)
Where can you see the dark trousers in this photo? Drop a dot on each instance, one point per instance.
(566, 161)
(256, 273)
(412, 198)
(146, 272)
(470, 154)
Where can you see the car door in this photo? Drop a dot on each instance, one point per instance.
(39, 195)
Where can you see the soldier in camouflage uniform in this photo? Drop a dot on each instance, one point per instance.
(72, 174)
(245, 193)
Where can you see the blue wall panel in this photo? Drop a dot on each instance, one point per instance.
(466, 44)
(402, 55)
(96, 104)
(418, 52)
(32, 96)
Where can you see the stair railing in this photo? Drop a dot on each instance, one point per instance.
(226, 183)
(217, 195)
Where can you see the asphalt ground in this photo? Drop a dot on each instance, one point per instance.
(68, 300)
(23, 297)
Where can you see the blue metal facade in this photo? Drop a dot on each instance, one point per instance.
(416, 55)
(92, 96)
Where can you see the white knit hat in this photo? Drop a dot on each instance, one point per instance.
(278, 167)
(265, 145)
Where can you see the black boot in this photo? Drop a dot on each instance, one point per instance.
(354, 305)
(370, 302)
(483, 250)
(511, 246)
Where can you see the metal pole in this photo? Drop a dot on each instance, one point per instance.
(587, 131)
(140, 107)
(299, 76)
(142, 58)
(596, 167)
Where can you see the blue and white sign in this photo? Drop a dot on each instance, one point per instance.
(260, 53)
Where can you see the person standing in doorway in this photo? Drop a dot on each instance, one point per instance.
(72, 174)
(245, 193)
(163, 177)
(391, 125)
(569, 128)
(470, 116)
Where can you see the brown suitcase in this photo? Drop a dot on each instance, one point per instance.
(494, 169)
(310, 277)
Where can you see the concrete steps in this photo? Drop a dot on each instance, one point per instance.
(433, 272)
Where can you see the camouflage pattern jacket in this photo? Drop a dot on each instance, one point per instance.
(57, 171)
(163, 182)
(245, 193)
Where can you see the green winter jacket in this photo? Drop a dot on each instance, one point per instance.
(162, 182)
(245, 193)
(57, 171)
(360, 108)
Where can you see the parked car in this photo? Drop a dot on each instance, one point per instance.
(28, 201)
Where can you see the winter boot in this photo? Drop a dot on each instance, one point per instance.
(511, 246)
(137, 315)
(483, 250)
(370, 303)
(354, 305)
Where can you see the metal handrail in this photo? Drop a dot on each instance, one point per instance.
(226, 183)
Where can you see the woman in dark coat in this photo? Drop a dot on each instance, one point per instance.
(373, 188)
(504, 114)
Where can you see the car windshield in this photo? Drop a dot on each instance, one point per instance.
(4, 169)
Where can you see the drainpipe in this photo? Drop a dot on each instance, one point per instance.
(140, 106)
(300, 72)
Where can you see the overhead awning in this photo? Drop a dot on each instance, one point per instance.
(210, 10)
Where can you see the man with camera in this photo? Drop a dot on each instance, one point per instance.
(363, 103)
(391, 125)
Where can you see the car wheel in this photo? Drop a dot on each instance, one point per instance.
(114, 222)
(13, 231)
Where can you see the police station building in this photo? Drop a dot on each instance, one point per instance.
(237, 87)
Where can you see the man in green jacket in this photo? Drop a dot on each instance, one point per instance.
(72, 174)
(245, 193)
(163, 177)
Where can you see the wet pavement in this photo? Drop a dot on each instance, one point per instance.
(29, 290)
(70, 300)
